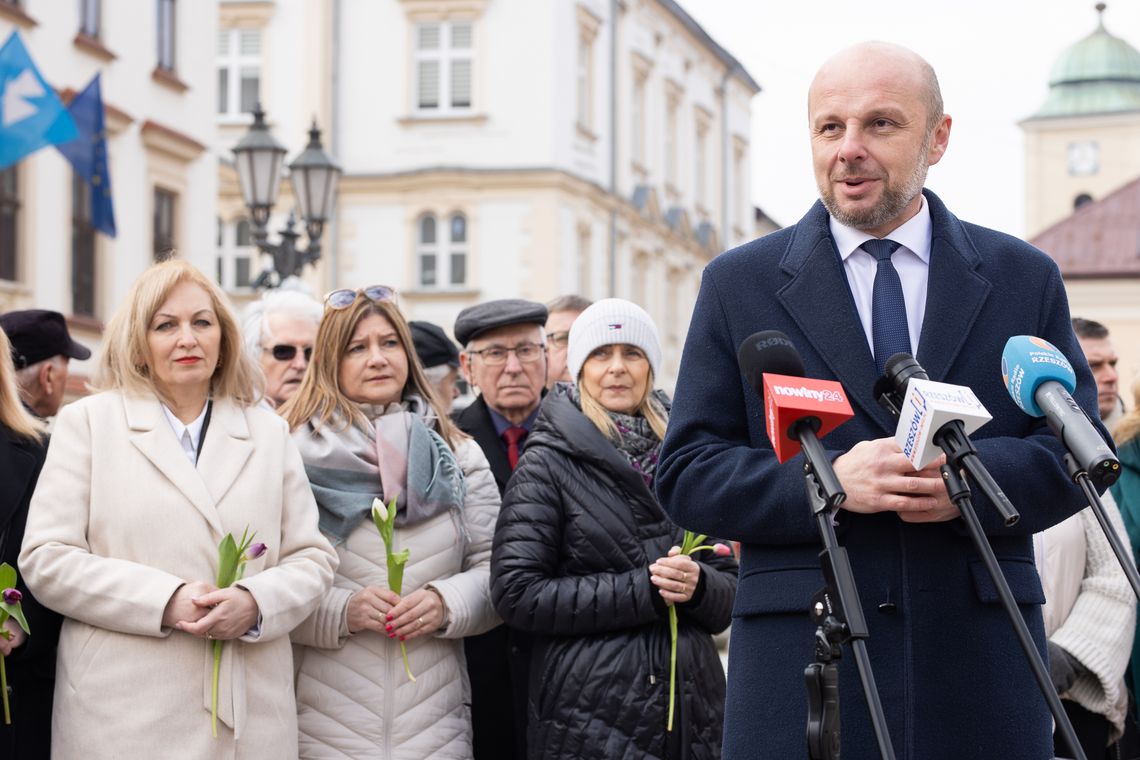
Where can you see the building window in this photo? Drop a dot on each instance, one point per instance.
(444, 66)
(427, 252)
(639, 284)
(82, 249)
(585, 270)
(442, 259)
(588, 27)
(637, 120)
(89, 13)
(457, 253)
(167, 33)
(239, 70)
(585, 79)
(236, 254)
(9, 222)
(672, 105)
(673, 324)
(164, 208)
(738, 185)
(701, 164)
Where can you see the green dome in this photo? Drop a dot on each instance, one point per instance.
(1099, 74)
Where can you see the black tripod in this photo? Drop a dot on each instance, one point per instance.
(838, 614)
(961, 455)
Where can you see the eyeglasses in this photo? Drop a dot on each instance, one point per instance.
(495, 356)
(558, 339)
(345, 297)
(285, 353)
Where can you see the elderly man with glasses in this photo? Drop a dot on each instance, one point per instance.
(505, 358)
(279, 330)
(562, 313)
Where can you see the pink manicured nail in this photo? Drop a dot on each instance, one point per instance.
(388, 618)
(388, 628)
(401, 638)
(391, 635)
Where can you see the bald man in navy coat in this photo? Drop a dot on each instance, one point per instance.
(953, 681)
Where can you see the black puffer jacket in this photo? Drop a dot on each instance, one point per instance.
(576, 535)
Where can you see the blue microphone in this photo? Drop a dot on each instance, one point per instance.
(1040, 378)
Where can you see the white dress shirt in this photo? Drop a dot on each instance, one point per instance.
(188, 435)
(911, 261)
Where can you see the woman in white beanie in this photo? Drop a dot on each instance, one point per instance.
(586, 561)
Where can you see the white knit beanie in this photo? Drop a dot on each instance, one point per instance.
(612, 320)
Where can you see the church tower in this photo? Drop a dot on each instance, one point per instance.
(1084, 141)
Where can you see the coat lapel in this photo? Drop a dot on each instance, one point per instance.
(152, 436)
(475, 420)
(819, 301)
(226, 449)
(955, 293)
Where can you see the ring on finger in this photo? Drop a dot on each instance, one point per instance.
(421, 621)
(684, 577)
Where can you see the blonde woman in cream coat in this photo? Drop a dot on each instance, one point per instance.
(123, 532)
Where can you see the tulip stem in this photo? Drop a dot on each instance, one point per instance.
(407, 667)
(214, 689)
(4, 690)
(672, 663)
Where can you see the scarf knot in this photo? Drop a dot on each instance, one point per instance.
(398, 454)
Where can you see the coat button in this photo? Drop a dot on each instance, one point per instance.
(887, 608)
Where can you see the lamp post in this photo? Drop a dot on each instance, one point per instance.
(314, 175)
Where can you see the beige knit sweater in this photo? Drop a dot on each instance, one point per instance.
(1090, 609)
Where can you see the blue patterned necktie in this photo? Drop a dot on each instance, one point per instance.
(889, 331)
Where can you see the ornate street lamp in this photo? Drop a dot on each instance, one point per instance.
(314, 176)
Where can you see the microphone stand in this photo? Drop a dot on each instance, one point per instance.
(960, 495)
(961, 455)
(1081, 477)
(837, 612)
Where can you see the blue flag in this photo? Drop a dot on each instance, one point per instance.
(31, 114)
(88, 154)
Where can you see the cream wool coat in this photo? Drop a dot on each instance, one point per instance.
(353, 697)
(119, 521)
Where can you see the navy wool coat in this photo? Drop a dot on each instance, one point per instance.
(953, 680)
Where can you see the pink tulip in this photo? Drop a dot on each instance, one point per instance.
(12, 596)
(722, 550)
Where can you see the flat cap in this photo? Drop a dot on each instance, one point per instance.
(37, 334)
(482, 317)
(433, 346)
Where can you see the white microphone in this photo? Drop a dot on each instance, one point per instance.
(926, 408)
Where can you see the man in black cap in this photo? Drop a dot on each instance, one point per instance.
(440, 359)
(504, 357)
(41, 351)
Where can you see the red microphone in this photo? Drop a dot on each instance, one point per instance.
(793, 402)
(796, 408)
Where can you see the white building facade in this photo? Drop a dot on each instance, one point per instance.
(158, 90)
(501, 148)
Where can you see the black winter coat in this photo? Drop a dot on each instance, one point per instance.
(31, 667)
(576, 535)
